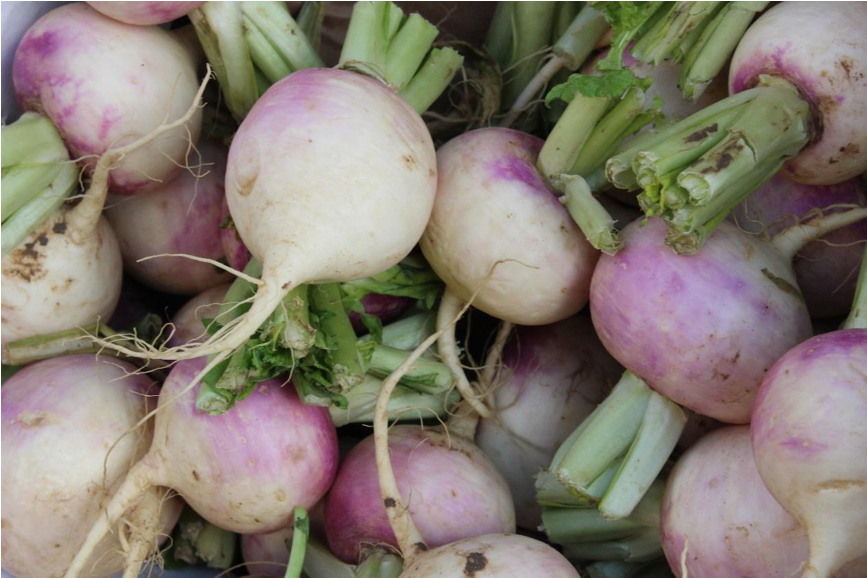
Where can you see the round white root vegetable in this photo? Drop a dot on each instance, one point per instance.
(61, 418)
(145, 13)
(188, 321)
(809, 435)
(53, 281)
(106, 84)
(718, 519)
(244, 470)
(552, 377)
(180, 217)
(790, 41)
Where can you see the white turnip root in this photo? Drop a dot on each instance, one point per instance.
(106, 84)
(455, 492)
(718, 519)
(60, 420)
(688, 325)
(188, 321)
(145, 13)
(827, 268)
(244, 470)
(790, 41)
(180, 217)
(809, 436)
(551, 378)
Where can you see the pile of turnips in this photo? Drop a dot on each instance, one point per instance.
(552, 304)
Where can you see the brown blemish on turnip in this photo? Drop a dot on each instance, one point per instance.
(389, 502)
(839, 485)
(476, 562)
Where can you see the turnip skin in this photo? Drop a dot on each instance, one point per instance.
(489, 189)
(701, 329)
(267, 554)
(716, 509)
(52, 282)
(453, 492)
(181, 217)
(809, 435)
(791, 41)
(553, 376)
(145, 13)
(827, 268)
(237, 254)
(105, 84)
(54, 467)
(491, 556)
(188, 321)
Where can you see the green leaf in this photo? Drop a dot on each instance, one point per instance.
(411, 277)
(626, 20)
(611, 84)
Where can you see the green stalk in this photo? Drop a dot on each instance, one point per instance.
(220, 28)
(773, 128)
(321, 563)
(405, 404)
(712, 49)
(425, 376)
(216, 547)
(592, 218)
(565, 15)
(500, 36)
(566, 140)
(40, 208)
(266, 58)
(39, 347)
(298, 335)
(858, 316)
(298, 551)
(641, 547)
(576, 43)
(364, 46)
(380, 564)
(568, 525)
(327, 301)
(275, 23)
(432, 78)
(408, 50)
(310, 20)
(408, 333)
(668, 32)
(532, 23)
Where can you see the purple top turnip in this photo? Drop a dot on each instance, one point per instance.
(718, 519)
(552, 377)
(809, 435)
(60, 419)
(181, 217)
(145, 13)
(188, 321)
(105, 84)
(454, 492)
(827, 268)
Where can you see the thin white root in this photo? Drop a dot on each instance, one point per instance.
(82, 220)
(536, 85)
(409, 539)
(448, 351)
(215, 263)
(495, 354)
(793, 239)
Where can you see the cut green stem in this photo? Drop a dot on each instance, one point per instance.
(589, 214)
(568, 136)
(298, 551)
(858, 316)
(407, 51)
(273, 21)
(310, 20)
(666, 34)
(532, 24)
(705, 58)
(405, 404)
(426, 375)
(327, 301)
(432, 78)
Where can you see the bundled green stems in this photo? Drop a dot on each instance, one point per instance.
(694, 172)
(252, 45)
(376, 563)
(195, 541)
(585, 534)
(38, 176)
(602, 112)
(858, 316)
(611, 460)
(699, 35)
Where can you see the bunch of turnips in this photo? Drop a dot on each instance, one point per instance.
(343, 290)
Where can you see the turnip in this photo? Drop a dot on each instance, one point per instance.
(182, 216)
(809, 436)
(188, 322)
(718, 519)
(244, 471)
(106, 84)
(61, 419)
(827, 268)
(68, 272)
(267, 554)
(796, 103)
(551, 378)
(145, 13)
(237, 254)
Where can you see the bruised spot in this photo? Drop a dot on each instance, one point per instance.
(781, 283)
(196, 475)
(702, 134)
(846, 65)
(420, 547)
(834, 485)
(409, 161)
(32, 418)
(59, 228)
(389, 502)
(476, 562)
